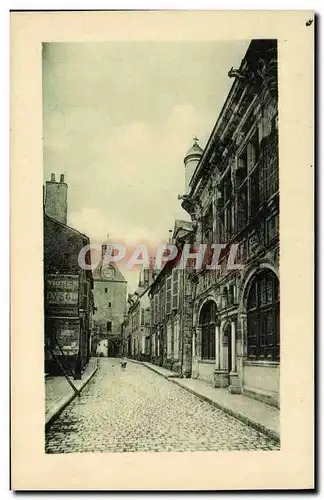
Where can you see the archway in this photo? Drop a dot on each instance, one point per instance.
(207, 320)
(263, 317)
(113, 347)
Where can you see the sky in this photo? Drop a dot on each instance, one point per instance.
(118, 119)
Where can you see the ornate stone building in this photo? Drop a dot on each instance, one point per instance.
(233, 198)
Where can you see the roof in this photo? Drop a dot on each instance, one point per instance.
(119, 277)
(59, 223)
(195, 150)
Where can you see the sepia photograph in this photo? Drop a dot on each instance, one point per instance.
(161, 246)
(162, 186)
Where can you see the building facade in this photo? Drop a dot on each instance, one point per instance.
(68, 298)
(136, 328)
(110, 290)
(232, 197)
(171, 309)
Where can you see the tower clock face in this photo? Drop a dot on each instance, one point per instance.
(107, 273)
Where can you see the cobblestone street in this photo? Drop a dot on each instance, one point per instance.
(139, 410)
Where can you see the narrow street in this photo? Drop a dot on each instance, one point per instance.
(139, 410)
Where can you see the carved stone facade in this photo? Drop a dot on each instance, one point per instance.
(231, 317)
(237, 181)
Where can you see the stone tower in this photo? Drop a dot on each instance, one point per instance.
(56, 199)
(191, 161)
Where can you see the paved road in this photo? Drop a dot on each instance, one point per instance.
(138, 410)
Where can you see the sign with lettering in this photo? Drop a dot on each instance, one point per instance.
(66, 332)
(62, 297)
(62, 293)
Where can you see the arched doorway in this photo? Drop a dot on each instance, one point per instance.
(207, 320)
(113, 347)
(263, 313)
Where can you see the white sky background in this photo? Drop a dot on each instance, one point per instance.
(118, 120)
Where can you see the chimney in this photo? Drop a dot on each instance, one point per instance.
(170, 235)
(56, 199)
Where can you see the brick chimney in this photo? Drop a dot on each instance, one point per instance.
(56, 199)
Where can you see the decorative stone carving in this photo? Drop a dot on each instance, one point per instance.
(253, 243)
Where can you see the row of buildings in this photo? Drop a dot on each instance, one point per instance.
(68, 289)
(222, 325)
(83, 309)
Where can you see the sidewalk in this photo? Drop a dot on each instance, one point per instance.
(265, 418)
(59, 393)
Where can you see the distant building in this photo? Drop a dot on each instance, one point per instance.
(136, 328)
(171, 310)
(102, 348)
(68, 299)
(110, 291)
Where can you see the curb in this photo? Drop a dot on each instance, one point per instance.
(246, 420)
(65, 401)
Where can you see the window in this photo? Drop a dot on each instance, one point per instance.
(231, 295)
(272, 228)
(153, 347)
(143, 345)
(162, 304)
(225, 210)
(146, 277)
(168, 295)
(248, 179)
(147, 316)
(207, 322)
(108, 326)
(263, 336)
(106, 290)
(176, 340)
(109, 304)
(169, 340)
(175, 288)
(270, 167)
(155, 306)
(142, 317)
(158, 345)
(147, 346)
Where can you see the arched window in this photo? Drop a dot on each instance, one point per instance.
(263, 335)
(207, 323)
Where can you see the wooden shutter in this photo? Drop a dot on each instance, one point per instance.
(162, 303)
(175, 288)
(155, 308)
(168, 295)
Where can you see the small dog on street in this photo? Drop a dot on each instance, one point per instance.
(123, 364)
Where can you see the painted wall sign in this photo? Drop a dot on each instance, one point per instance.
(62, 293)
